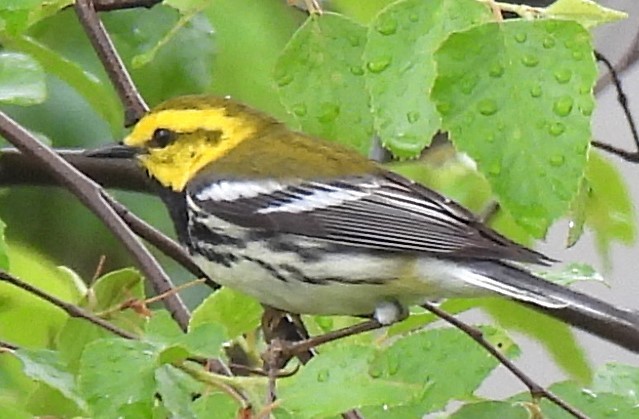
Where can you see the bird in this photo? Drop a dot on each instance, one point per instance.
(309, 226)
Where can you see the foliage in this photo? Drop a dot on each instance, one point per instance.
(515, 97)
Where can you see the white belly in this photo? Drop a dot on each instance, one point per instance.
(407, 280)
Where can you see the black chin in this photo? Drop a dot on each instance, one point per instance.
(114, 151)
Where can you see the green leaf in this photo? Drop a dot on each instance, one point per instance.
(223, 406)
(339, 380)
(430, 358)
(177, 390)
(187, 22)
(45, 366)
(321, 80)
(516, 96)
(14, 15)
(204, 340)
(18, 15)
(236, 312)
(555, 336)
(619, 379)
(18, 306)
(266, 27)
(609, 209)
(587, 12)
(182, 58)
(577, 213)
(592, 404)
(73, 337)
(21, 79)
(99, 95)
(14, 411)
(400, 68)
(115, 288)
(115, 373)
(490, 410)
(573, 272)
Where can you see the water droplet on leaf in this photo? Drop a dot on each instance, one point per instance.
(299, 109)
(357, 71)
(535, 91)
(563, 76)
(412, 117)
(468, 84)
(285, 79)
(487, 107)
(387, 26)
(529, 60)
(378, 65)
(586, 108)
(557, 160)
(323, 375)
(496, 70)
(494, 169)
(328, 112)
(563, 106)
(521, 37)
(556, 128)
(577, 55)
(548, 42)
(355, 41)
(444, 108)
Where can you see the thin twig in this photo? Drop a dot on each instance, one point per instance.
(92, 196)
(17, 169)
(108, 5)
(623, 102)
(134, 105)
(71, 309)
(158, 239)
(535, 389)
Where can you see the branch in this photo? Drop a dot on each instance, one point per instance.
(92, 196)
(631, 156)
(17, 168)
(71, 309)
(134, 104)
(167, 246)
(536, 391)
(108, 5)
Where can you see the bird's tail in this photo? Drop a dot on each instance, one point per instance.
(594, 316)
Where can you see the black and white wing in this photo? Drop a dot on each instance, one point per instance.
(384, 212)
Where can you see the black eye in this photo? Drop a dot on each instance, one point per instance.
(161, 138)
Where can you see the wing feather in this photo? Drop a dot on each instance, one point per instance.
(383, 212)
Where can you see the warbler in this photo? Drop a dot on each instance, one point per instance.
(311, 227)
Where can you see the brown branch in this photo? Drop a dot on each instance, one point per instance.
(92, 196)
(631, 156)
(71, 309)
(108, 5)
(17, 168)
(149, 233)
(535, 389)
(134, 104)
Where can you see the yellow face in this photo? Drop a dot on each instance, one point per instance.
(178, 143)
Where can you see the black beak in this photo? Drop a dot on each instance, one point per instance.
(114, 151)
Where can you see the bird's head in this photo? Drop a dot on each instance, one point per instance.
(175, 140)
